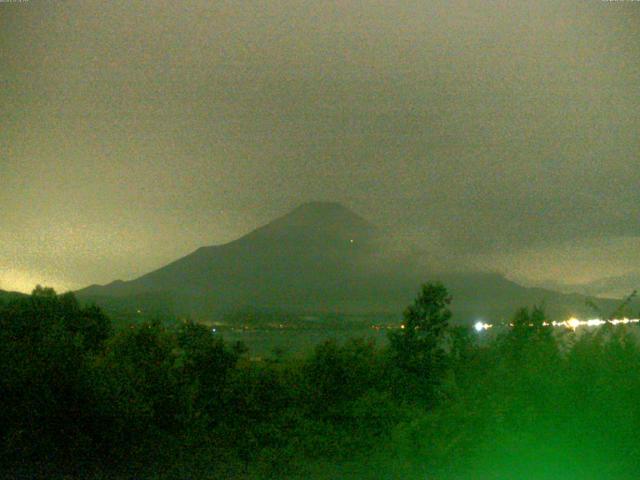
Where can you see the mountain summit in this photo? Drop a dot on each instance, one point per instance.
(322, 214)
(309, 258)
(324, 221)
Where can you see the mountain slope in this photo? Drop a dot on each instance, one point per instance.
(319, 257)
(307, 257)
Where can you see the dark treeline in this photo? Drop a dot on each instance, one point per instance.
(79, 400)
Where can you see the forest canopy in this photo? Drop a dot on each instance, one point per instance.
(81, 398)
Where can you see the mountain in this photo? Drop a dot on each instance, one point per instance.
(320, 257)
(305, 258)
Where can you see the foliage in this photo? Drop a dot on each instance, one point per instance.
(418, 347)
(175, 401)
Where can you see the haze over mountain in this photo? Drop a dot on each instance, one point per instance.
(320, 257)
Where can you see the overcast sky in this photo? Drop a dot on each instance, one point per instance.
(500, 134)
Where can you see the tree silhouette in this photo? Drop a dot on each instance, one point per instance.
(418, 347)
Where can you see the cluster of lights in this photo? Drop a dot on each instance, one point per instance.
(480, 326)
(572, 324)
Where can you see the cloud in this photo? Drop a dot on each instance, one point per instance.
(498, 128)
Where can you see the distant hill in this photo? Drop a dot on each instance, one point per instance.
(6, 296)
(320, 257)
(618, 286)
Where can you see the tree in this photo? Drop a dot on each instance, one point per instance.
(418, 346)
(43, 292)
(530, 334)
(203, 364)
(339, 374)
(47, 343)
